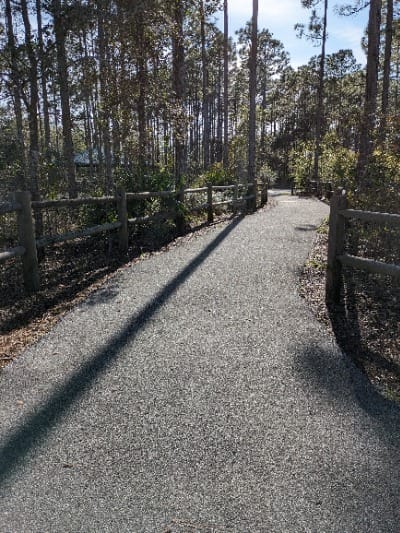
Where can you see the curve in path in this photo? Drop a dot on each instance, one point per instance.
(196, 392)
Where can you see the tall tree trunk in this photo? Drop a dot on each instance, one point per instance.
(43, 80)
(178, 66)
(32, 104)
(142, 82)
(220, 116)
(104, 79)
(371, 90)
(16, 93)
(205, 106)
(62, 66)
(226, 86)
(320, 97)
(252, 103)
(386, 68)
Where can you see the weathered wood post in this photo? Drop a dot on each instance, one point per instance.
(236, 198)
(252, 194)
(264, 191)
(335, 246)
(179, 211)
(122, 211)
(210, 209)
(26, 234)
(257, 193)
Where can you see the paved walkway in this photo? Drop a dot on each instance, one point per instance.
(197, 393)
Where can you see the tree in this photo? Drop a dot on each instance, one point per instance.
(371, 91)
(226, 87)
(318, 33)
(32, 104)
(386, 68)
(16, 85)
(205, 89)
(43, 79)
(60, 29)
(178, 62)
(252, 102)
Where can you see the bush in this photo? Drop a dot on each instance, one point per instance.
(216, 175)
(267, 175)
(301, 163)
(338, 164)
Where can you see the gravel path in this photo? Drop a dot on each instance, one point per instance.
(197, 393)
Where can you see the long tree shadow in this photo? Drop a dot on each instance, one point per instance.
(36, 427)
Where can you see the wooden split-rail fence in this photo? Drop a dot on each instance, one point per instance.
(337, 258)
(29, 244)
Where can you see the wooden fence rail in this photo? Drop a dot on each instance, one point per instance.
(336, 243)
(28, 245)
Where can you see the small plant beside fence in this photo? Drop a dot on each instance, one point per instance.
(29, 244)
(337, 258)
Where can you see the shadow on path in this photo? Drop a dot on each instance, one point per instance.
(341, 382)
(35, 428)
(360, 294)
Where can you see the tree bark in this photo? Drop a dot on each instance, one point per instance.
(252, 103)
(386, 68)
(142, 82)
(226, 87)
(371, 90)
(32, 105)
(178, 66)
(62, 66)
(43, 80)
(320, 97)
(104, 79)
(16, 93)
(205, 104)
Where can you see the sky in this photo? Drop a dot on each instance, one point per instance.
(280, 16)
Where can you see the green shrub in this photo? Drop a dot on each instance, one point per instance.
(216, 175)
(267, 174)
(301, 163)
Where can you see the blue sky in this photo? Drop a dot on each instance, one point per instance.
(280, 16)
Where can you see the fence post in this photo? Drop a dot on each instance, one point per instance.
(26, 234)
(335, 247)
(210, 209)
(120, 198)
(252, 191)
(264, 191)
(179, 211)
(236, 198)
(257, 191)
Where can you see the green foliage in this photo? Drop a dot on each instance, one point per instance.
(93, 215)
(301, 163)
(324, 227)
(337, 164)
(156, 178)
(216, 175)
(316, 265)
(267, 174)
(159, 179)
(383, 178)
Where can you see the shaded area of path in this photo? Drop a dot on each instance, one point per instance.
(199, 395)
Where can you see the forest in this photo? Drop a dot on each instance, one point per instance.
(153, 95)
